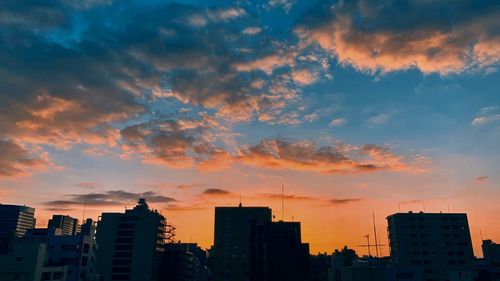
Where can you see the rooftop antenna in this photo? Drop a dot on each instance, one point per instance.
(448, 207)
(282, 202)
(367, 245)
(375, 233)
(240, 205)
(399, 207)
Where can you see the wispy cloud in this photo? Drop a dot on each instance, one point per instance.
(108, 198)
(338, 122)
(486, 115)
(481, 179)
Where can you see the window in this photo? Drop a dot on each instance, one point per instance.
(19, 259)
(84, 261)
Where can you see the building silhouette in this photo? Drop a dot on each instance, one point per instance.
(130, 244)
(67, 224)
(184, 262)
(278, 253)
(76, 252)
(439, 243)
(26, 260)
(14, 222)
(491, 252)
(230, 254)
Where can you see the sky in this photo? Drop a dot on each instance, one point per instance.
(355, 107)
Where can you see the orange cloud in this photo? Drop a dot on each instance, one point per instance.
(308, 156)
(17, 160)
(356, 34)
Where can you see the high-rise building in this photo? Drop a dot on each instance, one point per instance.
(14, 222)
(440, 243)
(278, 254)
(130, 244)
(67, 224)
(230, 254)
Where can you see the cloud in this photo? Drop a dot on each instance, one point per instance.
(178, 143)
(481, 179)
(185, 208)
(216, 192)
(90, 77)
(338, 122)
(278, 196)
(304, 77)
(16, 160)
(252, 30)
(432, 36)
(309, 156)
(108, 198)
(286, 5)
(486, 115)
(343, 201)
(379, 119)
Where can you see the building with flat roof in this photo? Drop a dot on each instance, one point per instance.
(230, 254)
(130, 244)
(491, 252)
(67, 224)
(439, 243)
(26, 260)
(14, 222)
(277, 252)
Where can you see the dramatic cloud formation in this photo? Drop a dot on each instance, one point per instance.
(433, 36)
(308, 156)
(15, 160)
(109, 198)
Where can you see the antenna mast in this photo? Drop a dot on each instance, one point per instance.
(375, 232)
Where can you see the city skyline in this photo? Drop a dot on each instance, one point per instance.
(354, 107)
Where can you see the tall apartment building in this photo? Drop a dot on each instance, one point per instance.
(14, 222)
(440, 243)
(130, 244)
(278, 254)
(230, 254)
(67, 224)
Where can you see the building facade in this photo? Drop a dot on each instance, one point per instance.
(77, 252)
(26, 261)
(14, 222)
(440, 243)
(130, 244)
(278, 254)
(184, 262)
(230, 254)
(67, 224)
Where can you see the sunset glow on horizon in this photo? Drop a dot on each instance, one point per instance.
(355, 107)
